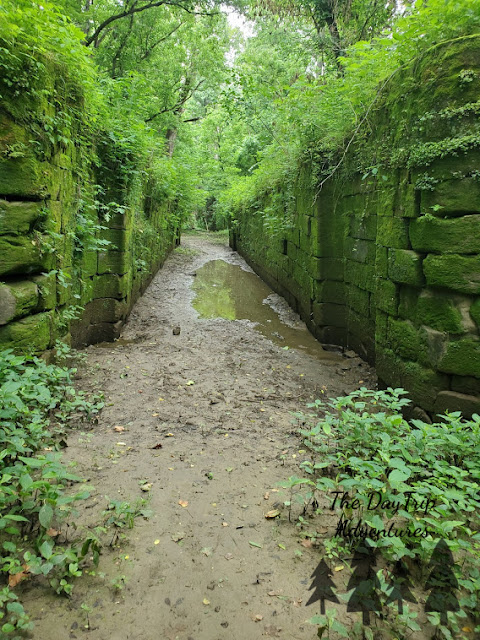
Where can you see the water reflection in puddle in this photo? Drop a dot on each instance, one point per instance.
(224, 290)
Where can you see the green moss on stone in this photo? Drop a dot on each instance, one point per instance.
(17, 299)
(386, 296)
(20, 255)
(455, 197)
(29, 335)
(359, 300)
(459, 273)
(405, 267)
(18, 218)
(393, 233)
(462, 358)
(438, 235)
(438, 312)
(403, 339)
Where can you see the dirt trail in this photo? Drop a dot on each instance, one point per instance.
(207, 419)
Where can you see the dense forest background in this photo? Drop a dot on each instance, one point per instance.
(223, 100)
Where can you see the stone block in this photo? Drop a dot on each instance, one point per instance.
(329, 291)
(118, 239)
(359, 300)
(446, 235)
(21, 255)
(403, 339)
(393, 233)
(110, 285)
(450, 401)
(105, 310)
(423, 384)
(405, 267)
(408, 202)
(386, 202)
(386, 296)
(459, 273)
(363, 227)
(381, 262)
(326, 314)
(17, 299)
(28, 335)
(381, 326)
(361, 275)
(466, 384)
(462, 358)
(438, 312)
(360, 250)
(407, 306)
(326, 269)
(18, 218)
(454, 197)
(47, 290)
(113, 262)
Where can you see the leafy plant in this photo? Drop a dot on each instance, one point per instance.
(405, 484)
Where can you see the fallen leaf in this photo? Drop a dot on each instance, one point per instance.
(119, 429)
(272, 514)
(467, 629)
(157, 541)
(52, 532)
(205, 601)
(157, 446)
(282, 546)
(169, 435)
(121, 444)
(154, 415)
(147, 486)
(229, 469)
(308, 544)
(16, 578)
(339, 567)
(189, 383)
(207, 551)
(183, 503)
(255, 544)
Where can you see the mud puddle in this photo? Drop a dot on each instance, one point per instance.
(206, 424)
(224, 290)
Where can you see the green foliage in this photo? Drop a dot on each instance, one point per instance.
(37, 400)
(424, 478)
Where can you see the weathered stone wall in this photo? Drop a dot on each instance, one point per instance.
(71, 262)
(388, 263)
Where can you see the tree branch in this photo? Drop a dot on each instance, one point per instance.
(150, 48)
(137, 9)
(178, 105)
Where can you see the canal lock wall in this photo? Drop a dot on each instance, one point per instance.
(381, 253)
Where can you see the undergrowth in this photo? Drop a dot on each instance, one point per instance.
(402, 486)
(38, 492)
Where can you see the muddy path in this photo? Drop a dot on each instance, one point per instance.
(205, 432)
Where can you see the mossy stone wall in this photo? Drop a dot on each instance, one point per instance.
(387, 262)
(66, 270)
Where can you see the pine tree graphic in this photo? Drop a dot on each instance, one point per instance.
(442, 582)
(364, 581)
(323, 585)
(401, 586)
